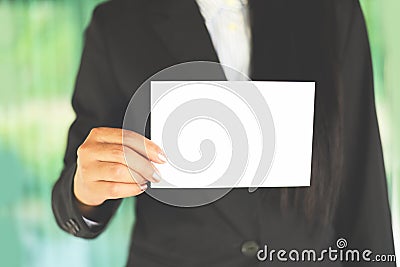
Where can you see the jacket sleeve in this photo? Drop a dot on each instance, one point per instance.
(97, 101)
(363, 214)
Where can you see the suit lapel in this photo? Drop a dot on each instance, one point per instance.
(272, 40)
(181, 28)
(286, 39)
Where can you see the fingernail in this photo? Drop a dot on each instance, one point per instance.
(162, 157)
(156, 176)
(143, 187)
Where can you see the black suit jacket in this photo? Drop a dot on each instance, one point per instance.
(128, 41)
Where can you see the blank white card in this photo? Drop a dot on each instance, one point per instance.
(215, 133)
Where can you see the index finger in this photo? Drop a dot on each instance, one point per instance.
(133, 140)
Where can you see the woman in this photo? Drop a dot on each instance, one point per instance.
(317, 40)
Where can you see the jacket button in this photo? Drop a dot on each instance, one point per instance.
(71, 226)
(250, 248)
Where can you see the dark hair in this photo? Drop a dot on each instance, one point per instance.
(306, 33)
(319, 201)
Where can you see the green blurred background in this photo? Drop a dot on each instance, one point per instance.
(40, 48)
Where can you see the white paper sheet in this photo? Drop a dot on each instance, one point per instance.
(291, 105)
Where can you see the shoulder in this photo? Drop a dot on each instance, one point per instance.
(113, 11)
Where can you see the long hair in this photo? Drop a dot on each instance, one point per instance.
(319, 201)
(306, 32)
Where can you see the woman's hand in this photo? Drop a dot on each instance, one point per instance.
(102, 172)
